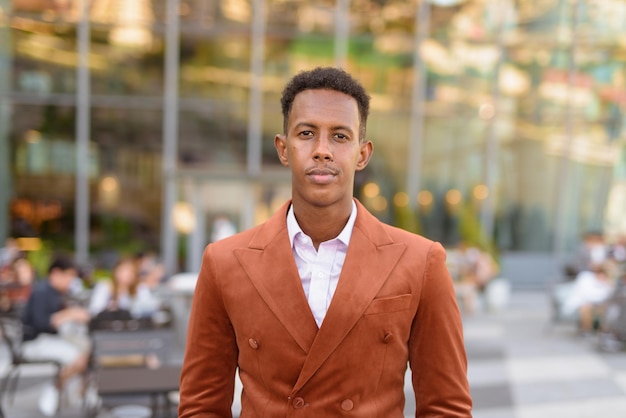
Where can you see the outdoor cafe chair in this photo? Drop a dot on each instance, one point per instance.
(12, 331)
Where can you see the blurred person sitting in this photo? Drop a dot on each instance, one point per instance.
(124, 292)
(616, 253)
(54, 330)
(17, 285)
(612, 324)
(591, 289)
(466, 291)
(9, 252)
(617, 250)
(151, 272)
(476, 269)
(593, 251)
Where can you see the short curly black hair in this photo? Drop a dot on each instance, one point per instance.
(326, 78)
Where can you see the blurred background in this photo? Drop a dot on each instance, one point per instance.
(145, 127)
(148, 125)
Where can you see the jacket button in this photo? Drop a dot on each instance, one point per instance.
(298, 402)
(388, 337)
(253, 343)
(347, 405)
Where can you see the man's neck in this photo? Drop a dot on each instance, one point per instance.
(322, 223)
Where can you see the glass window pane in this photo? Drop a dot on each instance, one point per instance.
(127, 47)
(213, 138)
(215, 68)
(44, 61)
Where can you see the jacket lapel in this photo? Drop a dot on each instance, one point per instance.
(269, 263)
(371, 257)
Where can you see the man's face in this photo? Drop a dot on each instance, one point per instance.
(62, 279)
(322, 147)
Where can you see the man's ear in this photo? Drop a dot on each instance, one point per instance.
(367, 149)
(280, 143)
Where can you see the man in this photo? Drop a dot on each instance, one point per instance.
(322, 306)
(55, 331)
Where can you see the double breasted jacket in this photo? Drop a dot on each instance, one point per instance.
(394, 305)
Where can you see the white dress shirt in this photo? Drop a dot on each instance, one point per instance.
(319, 270)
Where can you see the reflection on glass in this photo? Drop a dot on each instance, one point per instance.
(557, 66)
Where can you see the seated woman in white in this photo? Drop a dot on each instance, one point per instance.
(124, 291)
(590, 291)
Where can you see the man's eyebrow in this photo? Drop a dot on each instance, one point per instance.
(342, 128)
(312, 125)
(305, 125)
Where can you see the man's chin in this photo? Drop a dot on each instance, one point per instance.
(323, 200)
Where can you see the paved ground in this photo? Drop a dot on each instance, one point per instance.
(519, 367)
(522, 367)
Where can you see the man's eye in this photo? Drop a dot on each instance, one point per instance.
(306, 133)
(341, 137)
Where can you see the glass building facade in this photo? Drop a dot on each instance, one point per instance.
(143, 124)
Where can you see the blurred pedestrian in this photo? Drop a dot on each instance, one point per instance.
(322, 307)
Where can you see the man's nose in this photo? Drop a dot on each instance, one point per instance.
(322, 150)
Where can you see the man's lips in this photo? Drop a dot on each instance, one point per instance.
(321, 175)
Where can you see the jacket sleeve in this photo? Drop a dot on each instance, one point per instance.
(436, 348)
(38, 314)
(208, 373)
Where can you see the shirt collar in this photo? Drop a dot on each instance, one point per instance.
(344, 236)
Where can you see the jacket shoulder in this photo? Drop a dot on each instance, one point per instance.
(402, 235)
(256, 237)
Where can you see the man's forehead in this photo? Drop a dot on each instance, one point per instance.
(340, 104)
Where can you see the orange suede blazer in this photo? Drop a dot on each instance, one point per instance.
(394, 304)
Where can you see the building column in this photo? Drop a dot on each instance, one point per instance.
(6, 183)
(563, 203)
(255, 104)
(491, 150)
(81, 221)
(169, 236)
(418, 105)
(196, 239)
(342, 32)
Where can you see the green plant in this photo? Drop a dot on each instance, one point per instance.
(407, 220)
(40, 259)
(471, 231)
